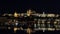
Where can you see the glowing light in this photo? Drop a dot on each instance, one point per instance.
(43, 29)
(15, 14)
(21, 28)
(51, 29)
(55, 22)
(29, 13)
(16, 24)
(29, 30)
(43, 15)
(15, 29)
(22, 14)
(4, 14)
(50, 15)
(10, 14)
(35, 25)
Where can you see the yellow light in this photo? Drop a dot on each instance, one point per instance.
(21, 28)
(29, 30)
(15, 29)
(55, 22)
(50, 15)
(57, 15)
(15, 14)
(29, 13)
(51, 29)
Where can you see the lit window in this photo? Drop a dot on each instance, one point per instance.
(50, 15)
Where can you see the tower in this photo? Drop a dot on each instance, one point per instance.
(15, 14)
(29, 12)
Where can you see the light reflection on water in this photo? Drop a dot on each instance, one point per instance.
(22, 32)
(11, 31)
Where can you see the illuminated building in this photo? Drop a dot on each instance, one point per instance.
(39, 21)
(50, 15)
(15, 14)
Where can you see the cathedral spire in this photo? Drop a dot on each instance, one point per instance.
(29, 12)
(15, 14)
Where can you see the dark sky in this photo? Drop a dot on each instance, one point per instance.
(10, 6)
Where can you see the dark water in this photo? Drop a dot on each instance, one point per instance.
(24, 32)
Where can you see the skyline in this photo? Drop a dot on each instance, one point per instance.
(18, 10)
(29, 16)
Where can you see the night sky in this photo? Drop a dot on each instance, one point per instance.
(10, 6)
